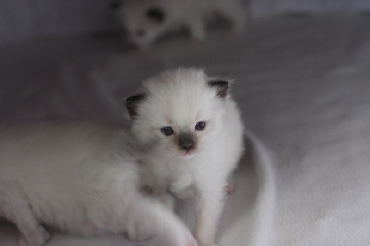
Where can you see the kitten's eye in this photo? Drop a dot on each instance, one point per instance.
(200, 125)
(167, 130)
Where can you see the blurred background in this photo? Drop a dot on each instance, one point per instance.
(25, 19)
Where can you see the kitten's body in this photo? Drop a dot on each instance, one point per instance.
(147, 20)
(189, 162)
(78, 177)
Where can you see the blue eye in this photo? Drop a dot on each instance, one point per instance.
(200, 125)
(167, 130)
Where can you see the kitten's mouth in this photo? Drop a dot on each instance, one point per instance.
(187, 154)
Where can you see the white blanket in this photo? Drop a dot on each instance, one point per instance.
(303, 85)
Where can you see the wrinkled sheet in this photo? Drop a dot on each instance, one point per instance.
(303, 85)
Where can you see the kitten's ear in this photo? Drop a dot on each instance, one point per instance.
(156, 14)
(221, 86)
(132, 103)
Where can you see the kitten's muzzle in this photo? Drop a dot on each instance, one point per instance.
(186, 141)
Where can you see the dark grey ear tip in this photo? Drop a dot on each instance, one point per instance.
(221, 86)
(134, 99)
(132, 104)
(222, 83)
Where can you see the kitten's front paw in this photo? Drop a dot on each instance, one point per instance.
(231, 185)
(230, 188)
(38, 238)
(191, 241)
(167, 200)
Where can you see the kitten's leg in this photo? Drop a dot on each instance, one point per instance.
(140, 218)
(14, 207)
(209, 207)
(167, 200)
(148, 218)
(231, 185)
(161, 195)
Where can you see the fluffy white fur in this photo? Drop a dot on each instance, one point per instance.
(147, 20)
(179, 99)
(81, 178)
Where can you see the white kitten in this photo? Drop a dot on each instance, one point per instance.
(195, 130)
(81, 178)
(147, 20)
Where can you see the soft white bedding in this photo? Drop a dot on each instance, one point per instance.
(303, 85)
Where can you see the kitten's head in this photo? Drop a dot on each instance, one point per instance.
(144, 20)
(180, 111)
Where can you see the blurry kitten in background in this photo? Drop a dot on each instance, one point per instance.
(195, 133)
(148, 20)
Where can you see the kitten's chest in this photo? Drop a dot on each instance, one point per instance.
(181, 179)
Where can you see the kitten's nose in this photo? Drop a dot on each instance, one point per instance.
(186, 141)
(187, 146)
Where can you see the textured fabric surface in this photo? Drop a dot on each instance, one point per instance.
(303, 85)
